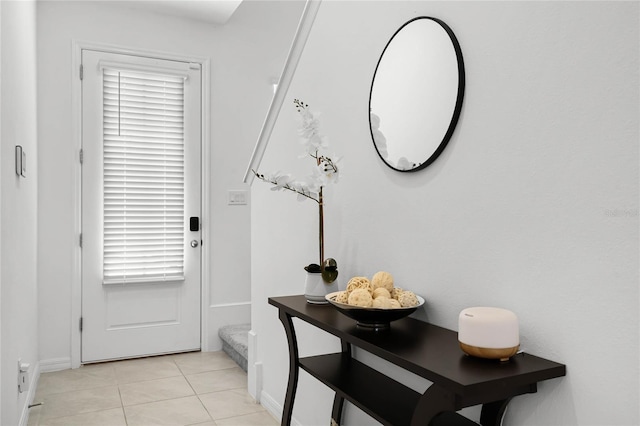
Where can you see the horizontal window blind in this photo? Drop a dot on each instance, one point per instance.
(143, 128)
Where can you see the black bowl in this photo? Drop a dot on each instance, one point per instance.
(373, 318)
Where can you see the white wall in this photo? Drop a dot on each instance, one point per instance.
(18, 213)
(0, 211)
(533, 206)
(245, 54)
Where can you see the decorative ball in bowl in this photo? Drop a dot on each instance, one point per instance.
(370, 317)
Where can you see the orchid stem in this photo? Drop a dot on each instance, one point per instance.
(321, 230)
(320, 220)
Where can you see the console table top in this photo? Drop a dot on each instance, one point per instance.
(425, 349)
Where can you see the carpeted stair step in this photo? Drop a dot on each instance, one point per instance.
(235, 342)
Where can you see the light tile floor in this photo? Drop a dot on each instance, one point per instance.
(198, 388)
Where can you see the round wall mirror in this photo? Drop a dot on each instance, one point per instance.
(416, 94)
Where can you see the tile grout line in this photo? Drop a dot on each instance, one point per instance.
(124, 413)
(194, 392)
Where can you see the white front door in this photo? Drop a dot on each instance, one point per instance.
(141, 204)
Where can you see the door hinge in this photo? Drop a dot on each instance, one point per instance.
(81, 72)
(81, 239)
(81, 155)
(80, 323)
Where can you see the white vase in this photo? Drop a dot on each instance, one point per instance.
(315, 288)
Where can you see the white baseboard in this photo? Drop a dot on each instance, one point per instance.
(254, 381)
(55, 364)
(254, 367)
(274, 408)
(31, 393)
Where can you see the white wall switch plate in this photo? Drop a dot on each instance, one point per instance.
(238, 197)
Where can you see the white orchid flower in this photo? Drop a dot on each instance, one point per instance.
(280, 180)
(328, 169)
(324, 171)
(313, 143)
(310, 124)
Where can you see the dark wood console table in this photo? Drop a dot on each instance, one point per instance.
(424, 349)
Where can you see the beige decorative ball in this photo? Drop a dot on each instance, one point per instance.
(396, 292)
(360, 297)
(382, 279)
(408, 299)
(381, 292)
(342, 297)
(359, 282)
(394, 304)
(382, 303)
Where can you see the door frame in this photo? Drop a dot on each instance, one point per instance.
(76, 125)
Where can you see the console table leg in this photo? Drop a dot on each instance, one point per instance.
(338, 401)
(434, 401)
(336, 413)
(293, 368)
(492, 412)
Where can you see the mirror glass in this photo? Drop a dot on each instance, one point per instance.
(416, 94)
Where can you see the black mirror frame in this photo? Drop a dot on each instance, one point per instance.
(459, 98)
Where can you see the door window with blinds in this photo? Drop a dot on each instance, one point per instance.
(144, 176)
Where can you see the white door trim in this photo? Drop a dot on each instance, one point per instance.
(76, 126)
